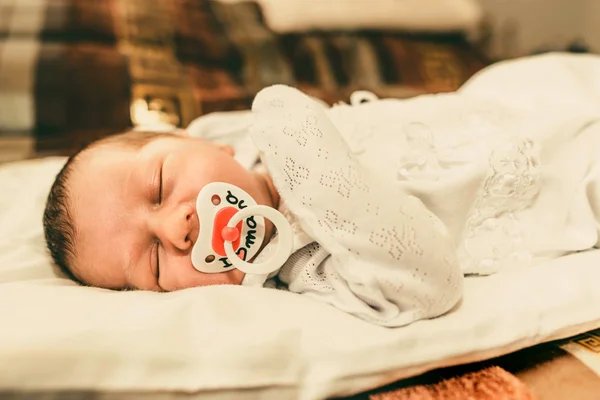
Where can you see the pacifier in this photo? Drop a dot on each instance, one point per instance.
(232, 230)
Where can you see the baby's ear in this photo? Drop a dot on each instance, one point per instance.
(181, 132)
(227, 149)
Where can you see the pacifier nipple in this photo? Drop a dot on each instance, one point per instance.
(230, 234)
(232, 231)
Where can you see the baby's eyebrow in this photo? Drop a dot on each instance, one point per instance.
(138, 180)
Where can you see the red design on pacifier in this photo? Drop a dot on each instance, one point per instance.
(222, 233)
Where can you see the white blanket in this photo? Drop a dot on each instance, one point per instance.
(55, 335)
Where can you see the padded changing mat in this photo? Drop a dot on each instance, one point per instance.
(244, 341)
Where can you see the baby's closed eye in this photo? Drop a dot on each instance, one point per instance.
(158, 185)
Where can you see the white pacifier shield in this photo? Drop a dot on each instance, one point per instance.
(212, 199)
(212, 254)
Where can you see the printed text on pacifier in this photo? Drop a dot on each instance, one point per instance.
(250, 237)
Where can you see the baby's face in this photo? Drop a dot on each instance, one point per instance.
(135, 216)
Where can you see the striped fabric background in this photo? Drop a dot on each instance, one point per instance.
(75, 70)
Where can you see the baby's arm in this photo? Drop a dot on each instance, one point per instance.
(394, 261)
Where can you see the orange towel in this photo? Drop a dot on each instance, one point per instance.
(492, 383)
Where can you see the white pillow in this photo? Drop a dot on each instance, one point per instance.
(24, 187)
(286, 16)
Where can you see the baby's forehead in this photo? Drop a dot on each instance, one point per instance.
(116, 145)
(114, 155)
(108, 149)
(98, 159)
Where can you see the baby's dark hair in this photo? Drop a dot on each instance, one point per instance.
(60, 230)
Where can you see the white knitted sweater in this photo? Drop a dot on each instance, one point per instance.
(363, 244)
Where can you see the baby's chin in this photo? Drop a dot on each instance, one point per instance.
(237, 276)
(232, 277)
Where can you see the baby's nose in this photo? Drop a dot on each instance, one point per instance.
(182, 228)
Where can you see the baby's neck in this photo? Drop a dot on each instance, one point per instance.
(271, 190)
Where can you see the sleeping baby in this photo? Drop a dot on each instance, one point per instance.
(378, 208)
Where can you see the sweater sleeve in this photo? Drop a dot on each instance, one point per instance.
(392, 262)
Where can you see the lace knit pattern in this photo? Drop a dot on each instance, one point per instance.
(391, 260)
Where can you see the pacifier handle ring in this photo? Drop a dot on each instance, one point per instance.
(284, 245)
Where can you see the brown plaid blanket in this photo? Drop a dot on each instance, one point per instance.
(74, 70)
